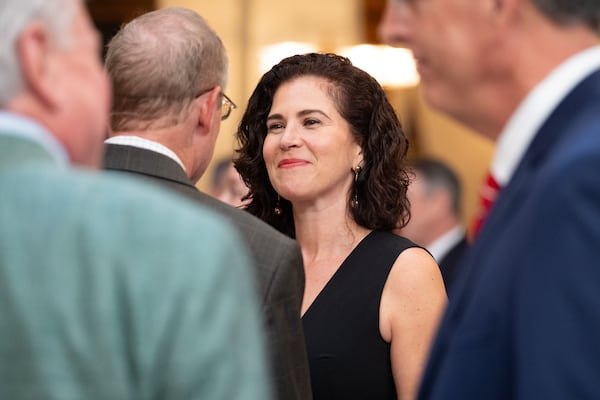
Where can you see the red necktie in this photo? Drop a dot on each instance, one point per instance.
(488, 193)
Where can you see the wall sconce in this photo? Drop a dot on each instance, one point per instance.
(272, 54)
(393, 67)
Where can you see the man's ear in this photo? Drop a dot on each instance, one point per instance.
(208, 107)
(504, 12)
(35, 52)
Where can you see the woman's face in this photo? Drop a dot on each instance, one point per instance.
(309, 150)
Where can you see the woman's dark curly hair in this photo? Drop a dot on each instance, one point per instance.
(360, 100)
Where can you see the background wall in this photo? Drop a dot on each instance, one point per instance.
(434, 135)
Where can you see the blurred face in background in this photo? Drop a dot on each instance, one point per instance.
(454, 44)
(231, 189)
(424, 211)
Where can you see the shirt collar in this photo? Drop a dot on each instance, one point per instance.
(535, 109)
(440, 247)
(142, 143)
(13, 124)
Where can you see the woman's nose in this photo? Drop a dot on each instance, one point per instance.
(289, 137)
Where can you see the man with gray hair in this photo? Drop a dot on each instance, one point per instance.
(435, 196)
(524, 319)
(169, 71)
(96, 303)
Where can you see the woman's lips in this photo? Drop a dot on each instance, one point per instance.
(291, 162)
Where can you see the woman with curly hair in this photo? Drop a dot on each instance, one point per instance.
(322, 152)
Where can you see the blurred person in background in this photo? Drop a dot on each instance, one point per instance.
(227, 184)
(109, 289)
(435, 198)
(524, 318)
(169, 72)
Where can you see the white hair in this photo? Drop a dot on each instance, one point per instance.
(15, 15)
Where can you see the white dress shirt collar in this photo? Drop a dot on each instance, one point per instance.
(442, 245)
(141, 143)
(535, 109)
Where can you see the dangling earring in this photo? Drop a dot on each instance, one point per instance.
(354, 201)
(277, 210)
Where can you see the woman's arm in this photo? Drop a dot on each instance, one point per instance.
(412, 303)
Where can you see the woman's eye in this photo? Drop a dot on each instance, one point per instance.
(311, 122)
(274, 127)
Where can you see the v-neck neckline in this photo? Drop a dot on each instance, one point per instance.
(338, 272)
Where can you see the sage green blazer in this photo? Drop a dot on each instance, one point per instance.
(111, 289)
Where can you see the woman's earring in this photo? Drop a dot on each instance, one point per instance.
(277, 210)
(354, 201)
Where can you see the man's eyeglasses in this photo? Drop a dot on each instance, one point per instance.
(226, 104)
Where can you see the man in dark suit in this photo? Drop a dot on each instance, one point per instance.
(109, 288)
(169, 70)
(524, 322)
(435, 197)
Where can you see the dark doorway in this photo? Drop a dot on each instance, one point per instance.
(109, 15)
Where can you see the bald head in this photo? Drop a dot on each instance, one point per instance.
(159, 63)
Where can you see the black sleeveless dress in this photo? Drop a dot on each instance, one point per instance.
(348, 357)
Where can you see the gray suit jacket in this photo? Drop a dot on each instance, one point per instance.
(277, 258)
(97, 303)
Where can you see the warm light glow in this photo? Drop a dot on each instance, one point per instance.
(272, 54)
(391, 66)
